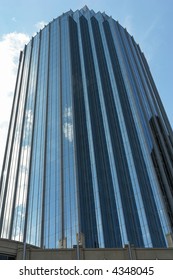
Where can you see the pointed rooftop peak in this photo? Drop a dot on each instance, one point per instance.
(85, 8)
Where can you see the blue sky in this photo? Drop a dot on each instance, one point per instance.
(149, 21)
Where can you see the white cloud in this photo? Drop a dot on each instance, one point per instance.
(68, 131)
(68, 112)
(68, 126)
(10, 46)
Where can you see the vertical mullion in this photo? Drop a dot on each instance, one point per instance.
(45, 144)
(20, 146)
(32, 141)
(10, 123)
(12, 145)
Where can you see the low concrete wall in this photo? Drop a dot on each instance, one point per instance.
(127, 253)
(104, 254)
(52, 254)
(16, 249)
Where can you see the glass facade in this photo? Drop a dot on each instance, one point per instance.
(89, 154)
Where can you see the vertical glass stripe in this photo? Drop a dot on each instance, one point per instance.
(12, 175)
(129, 207)
(148, 199)
(89, 153)
(110, 224)
(36, 194)
(86, 207)
(10, 137)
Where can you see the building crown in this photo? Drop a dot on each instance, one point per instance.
(85, 8)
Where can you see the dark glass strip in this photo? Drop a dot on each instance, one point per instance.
(160, 120)
(158, 131)
(155, 94)
(154, 224)
(159, 174)
(167, 149)
(126, 191)
(26, 230)
(162, 162)
(84, 175)
(111, 228)
(45, 139)
(61, 144)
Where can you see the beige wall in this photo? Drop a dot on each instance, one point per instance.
(16, 249)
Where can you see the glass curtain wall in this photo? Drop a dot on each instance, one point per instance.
(89, 154)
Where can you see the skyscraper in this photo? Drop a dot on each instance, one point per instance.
(89, 152)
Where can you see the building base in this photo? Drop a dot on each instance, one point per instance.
(16, 250)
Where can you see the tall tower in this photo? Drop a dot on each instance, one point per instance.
(89, 153)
